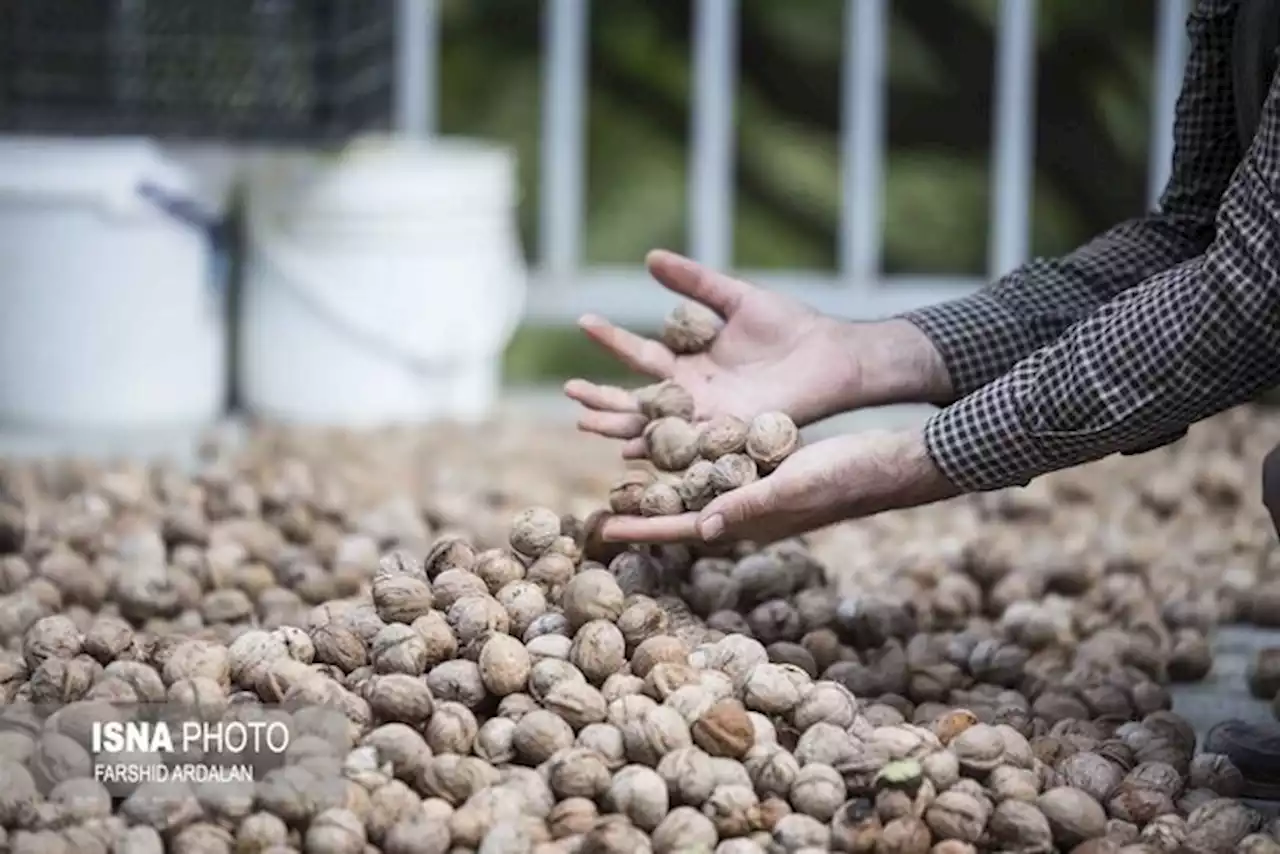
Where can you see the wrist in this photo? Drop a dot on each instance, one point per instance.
(893, 361)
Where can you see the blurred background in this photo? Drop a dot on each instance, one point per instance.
(442, 186)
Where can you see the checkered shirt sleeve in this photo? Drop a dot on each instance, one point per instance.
(1186, 343)
(982, 336)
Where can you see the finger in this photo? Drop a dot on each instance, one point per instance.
(640, 354)
(636, 449)
(605, 398)
(687, 277)
(613, 425)
(735, 512)
(651, 529)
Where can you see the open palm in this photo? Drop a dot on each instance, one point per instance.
(774, 353)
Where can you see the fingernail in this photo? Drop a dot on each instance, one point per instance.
(712, 528)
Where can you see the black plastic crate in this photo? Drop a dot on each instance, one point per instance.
(242, 70)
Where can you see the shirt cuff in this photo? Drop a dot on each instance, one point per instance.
(977, 336)
(981, 444)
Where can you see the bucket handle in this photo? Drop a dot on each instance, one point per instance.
(187, 211)
(435, 367)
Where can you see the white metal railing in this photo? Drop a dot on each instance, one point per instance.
(563, 287)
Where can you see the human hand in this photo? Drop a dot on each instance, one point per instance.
(846, 477)
(773, 354)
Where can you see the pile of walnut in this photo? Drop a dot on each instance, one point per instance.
(531, 699)
(992, 679)
(696, 461)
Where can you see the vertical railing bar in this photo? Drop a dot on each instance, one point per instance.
(862, 139)
(713, 159)
(417, 66)
(1015, 119)
(129, 33)
(564, 93)
(1170, 57)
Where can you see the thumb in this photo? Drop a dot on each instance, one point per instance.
(737, 509)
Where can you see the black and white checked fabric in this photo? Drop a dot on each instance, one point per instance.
(1154, 325)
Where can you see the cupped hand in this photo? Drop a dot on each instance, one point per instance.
(773, 354)
(830, 481)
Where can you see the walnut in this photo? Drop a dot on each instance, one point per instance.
(1220, 824)
(614, 834)
(1092, 774)
(771, 438)
(578, 772)
(690, 327)
(733, 471)
(1009, 782)
(548, 673)
(1019, 826)
(437, 638)
(771, 689)
(401, 598)
(458, 680)
(827, 702)
(957, 815)
(572, 817)
(259, 832)
(942, 769)
(689, 775)
(640, 621)
(1191, 658)
(416, 835)
(657, 650)
(907, 835)
(606, 741)
(598, 650)
(666, 399)
(627, 491)
(1166, 832)
(1263, 674)
(695, 489)
(661, 499)
(731, 809)
(455, 584)
(672, 444)
(818, 790)
(724, 730)
(592, 594)
(336, 831)
(51, 637)
(979, 749)
(448, 776)
(640, 794)
(534, 530)
(474, 618)
(577, 703)
(1217, 773)
(397, 648)
(524, 603)
(657, 732)
(504, 665)
(1073, 815)
(684, 829)
(497, 568)
(724, 434)
(539, 735)
(552, 571)
(452, 729)
(772, 770)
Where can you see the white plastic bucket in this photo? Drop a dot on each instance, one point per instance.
(110, 316)
(382, 285)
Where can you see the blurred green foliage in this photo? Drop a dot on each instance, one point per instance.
(1093, 82)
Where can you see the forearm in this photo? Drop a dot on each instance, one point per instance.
(1191, 342)
(982, 336)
